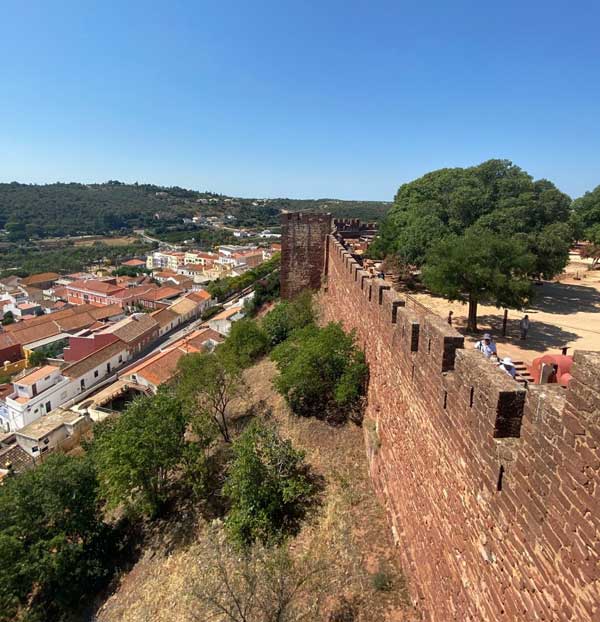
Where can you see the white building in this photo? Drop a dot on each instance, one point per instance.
(222, 321)
(42, 390)
(36, 394)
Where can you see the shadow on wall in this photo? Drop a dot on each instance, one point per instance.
(565, 299)
(541, 338)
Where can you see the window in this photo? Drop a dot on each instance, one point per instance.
(46, 441)
(120, 358)
(34, 449)
(95, 373)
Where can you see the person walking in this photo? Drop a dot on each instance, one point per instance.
(524, 325)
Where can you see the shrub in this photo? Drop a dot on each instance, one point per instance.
(287, 317)
(269, 487)
(322, 373)
(246, 342)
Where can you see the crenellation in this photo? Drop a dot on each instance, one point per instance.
(491, 488)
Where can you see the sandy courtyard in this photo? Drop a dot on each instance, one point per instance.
(563, 314)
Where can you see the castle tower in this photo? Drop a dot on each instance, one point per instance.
(303, 251)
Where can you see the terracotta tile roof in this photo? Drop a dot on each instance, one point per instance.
(75, 370)
(164, 317)
(136, 292)
(183, 306)
(38, 374)
(96, 287)
(200, 295)
(132, 328)
(40, 278)
(165, 274)
(198, 338)
(159, 368)
(133, 262)
(103, 313)
(190, 267)
(161, 293)
(51, 317)
(7, 340)
(29, 334)
(226, 313)
(17, 457)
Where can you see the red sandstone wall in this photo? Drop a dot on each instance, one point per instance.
(303, 248)
(492, 491)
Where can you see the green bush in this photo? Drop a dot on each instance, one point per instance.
(322, 373)
(287, 317)
(269, 487)
(246, 342)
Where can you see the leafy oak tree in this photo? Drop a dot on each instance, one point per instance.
(206, 385)
(477, 267)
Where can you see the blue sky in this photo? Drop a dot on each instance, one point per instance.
(309, 99)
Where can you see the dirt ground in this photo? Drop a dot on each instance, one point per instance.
(109, 241)
(349, 531)
(565, 312)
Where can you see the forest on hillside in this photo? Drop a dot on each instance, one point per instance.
(30, 211)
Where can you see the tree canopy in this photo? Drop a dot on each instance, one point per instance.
(478, 267)
(136, 453)
(496, 195)
(586, 216)
(53, 544)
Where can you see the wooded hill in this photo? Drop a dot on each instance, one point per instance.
(30, 211)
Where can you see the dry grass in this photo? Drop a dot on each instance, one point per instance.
(349, 531)
(109, 241)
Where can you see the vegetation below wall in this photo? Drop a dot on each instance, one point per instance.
(184, 443)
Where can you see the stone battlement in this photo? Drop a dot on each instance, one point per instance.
(492, 490)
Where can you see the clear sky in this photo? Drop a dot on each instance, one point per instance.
(329, 98)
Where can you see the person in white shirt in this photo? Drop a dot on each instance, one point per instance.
(486, 345)
(508, 366)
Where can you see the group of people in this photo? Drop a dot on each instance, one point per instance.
(487, 346)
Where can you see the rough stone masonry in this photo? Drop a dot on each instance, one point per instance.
(492, 490)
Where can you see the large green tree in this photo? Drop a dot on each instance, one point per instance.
(479, 267)
(54, 547)
(586, 213)
(136, 453)
(495, 194)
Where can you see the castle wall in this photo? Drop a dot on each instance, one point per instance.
(492, 491)
(303, 250)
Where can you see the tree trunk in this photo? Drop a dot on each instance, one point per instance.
(472, 321)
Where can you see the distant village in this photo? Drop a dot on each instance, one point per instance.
(76, 348)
